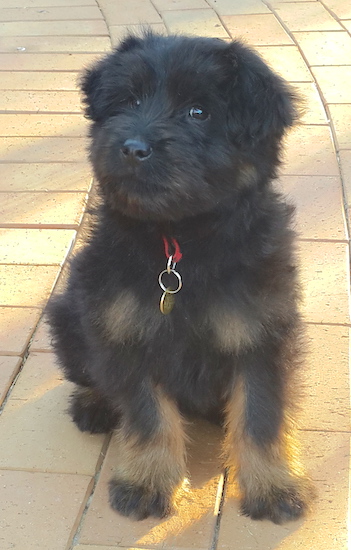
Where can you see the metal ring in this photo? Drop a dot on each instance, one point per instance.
(169, 264)
(165, 288)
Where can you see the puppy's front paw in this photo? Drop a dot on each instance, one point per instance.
(138, 502)
(280, 506)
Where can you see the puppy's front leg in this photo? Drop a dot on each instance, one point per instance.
(259, 441)
(151, 465)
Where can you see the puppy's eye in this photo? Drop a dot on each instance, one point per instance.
(199, 113)
(134, 103)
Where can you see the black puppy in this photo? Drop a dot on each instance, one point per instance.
(184, 299)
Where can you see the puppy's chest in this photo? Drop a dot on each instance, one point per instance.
(132, 317)
(144, 316)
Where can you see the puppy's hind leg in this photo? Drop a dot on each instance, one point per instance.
(68, 338)
(151, 461)
(92, 412)
(259, 441)
(88, 408)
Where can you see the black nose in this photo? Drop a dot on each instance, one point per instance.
(136, 149)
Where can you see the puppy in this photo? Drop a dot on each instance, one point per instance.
(184, 299)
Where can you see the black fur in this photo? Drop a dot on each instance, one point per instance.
(91, 412)
(206, 183)
(137, 502)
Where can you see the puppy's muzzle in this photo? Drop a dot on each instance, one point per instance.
(135, 150)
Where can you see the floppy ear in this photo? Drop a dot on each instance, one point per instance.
(93, 82)
(91, 86)
(262, 104)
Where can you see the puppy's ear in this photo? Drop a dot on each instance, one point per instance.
(93, 81)
(129, 43)
(262, 105)
(92, 87)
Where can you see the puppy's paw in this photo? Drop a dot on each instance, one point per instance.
(138, 502)
(90, 413)
(280, 506)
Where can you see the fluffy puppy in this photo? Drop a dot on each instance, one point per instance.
(185, 143)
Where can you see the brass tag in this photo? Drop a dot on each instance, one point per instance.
(167, 302)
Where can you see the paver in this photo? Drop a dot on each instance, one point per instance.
(274, 3)
(43, 149)
(53, 28)
(35, 246)
(30, 124)
(310, 16)
(46, 3)
(340, 8)
(318, 201)
(326, 402)
(19, 284)
(345, 160)
(50, 13)
(41, 340)
(199, 22)
(53, 176)
(335, 83)
(38, 511)
(239, 7)
(94, 547)
(36, 432)
(341, 116)
(318, 158)
(44, 61)
(313, 108)
(40, 102)
(324, 268)
(129, 12)
(9, 367)
(257, 30)
(325, 48)
(287, 62)
(55, 44)
(42, 209)
(165, 5)
(39, 80)
(16, 327)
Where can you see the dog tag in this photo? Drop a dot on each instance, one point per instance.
(167, 302)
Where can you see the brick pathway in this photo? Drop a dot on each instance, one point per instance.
(53, 478)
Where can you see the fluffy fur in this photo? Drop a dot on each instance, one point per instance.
(185, 142)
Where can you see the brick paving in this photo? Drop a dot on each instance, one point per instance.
(53, 478)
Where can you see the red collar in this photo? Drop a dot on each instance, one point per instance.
(177, 255)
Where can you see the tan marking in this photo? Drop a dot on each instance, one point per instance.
(232, 332)
(119, 317)
(160, 462)
(260, 470)
(247, 175)
(126, 319)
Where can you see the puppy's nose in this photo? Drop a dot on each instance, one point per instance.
(135, 149)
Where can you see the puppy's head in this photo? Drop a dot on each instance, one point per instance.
(181, 125)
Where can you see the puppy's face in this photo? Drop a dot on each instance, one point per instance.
(180, 125)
